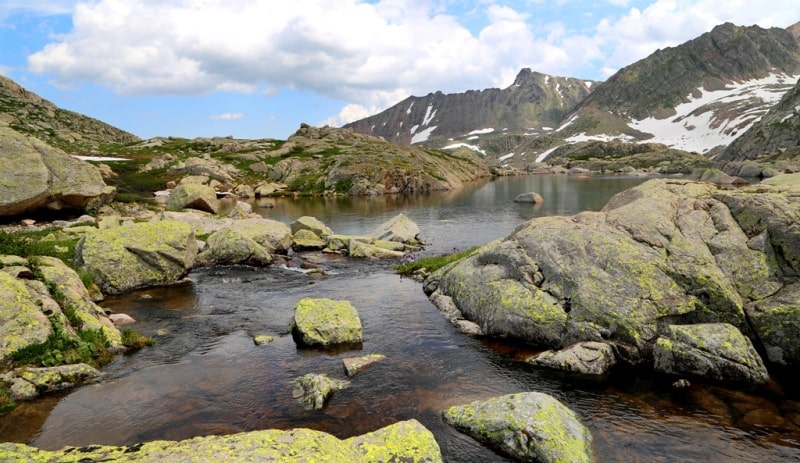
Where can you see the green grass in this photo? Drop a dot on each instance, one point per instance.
(91, 347)
(30, 244)
(135, 340)
(6, 404)
(433, 263)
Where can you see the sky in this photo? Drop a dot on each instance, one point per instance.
(259, 68)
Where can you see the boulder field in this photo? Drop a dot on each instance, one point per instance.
(690, 278)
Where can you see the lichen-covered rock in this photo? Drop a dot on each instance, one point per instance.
(716, 351)
(530, 427)
(313, 390)
(52, 379)
(76, 296)
(193, 196)
(307, 239)
(371, 251)
(354, 365)
(776, 321)
(275, 237)
(137, 255)
(312, 224)
(406, 441)
(229, 247)
(22, 322)
(34, 175)
(398, 228)
(665, 252)
(325, 322)
(588, 358)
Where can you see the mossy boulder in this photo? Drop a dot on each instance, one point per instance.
(715, 351)
(22, 322)
(307, 239)
(325, 322)
(137, 255)
(34, 175)
(193, 196)
(667, 252)
(311, 224)
(530, 427)
(229, 247)
(406, 441)
(275, 237)
(371, 251)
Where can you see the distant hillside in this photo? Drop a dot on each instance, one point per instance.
(697, 96)
(533, 102)
(776, 132)
(30, 114)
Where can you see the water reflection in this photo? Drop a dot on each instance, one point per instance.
(206, 376)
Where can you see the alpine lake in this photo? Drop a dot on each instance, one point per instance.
(206, 376)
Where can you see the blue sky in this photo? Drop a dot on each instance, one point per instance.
(259, 68)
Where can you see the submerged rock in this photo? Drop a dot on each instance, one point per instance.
(354, 365)
(406, 441)
(325, 322)
(530, 427)
(313, 390)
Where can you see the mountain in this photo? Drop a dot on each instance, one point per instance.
(533, 102)
(698, 96)
(775, 133)
(30, 114)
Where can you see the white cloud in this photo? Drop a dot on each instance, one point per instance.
(226, 116)
(368, 54)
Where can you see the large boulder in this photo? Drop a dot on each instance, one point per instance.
(406, 441)
(34, 175)
(274, 236)
(312, 224)
(667, 252)
(325, 322)
(22, 322)
(530, 427)
(137, 255)
(399, 228)
(776, 321)
(710, 350)
(229, 247)
(193, 196)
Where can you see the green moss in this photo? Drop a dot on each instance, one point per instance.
(433, 263)
(135, 340)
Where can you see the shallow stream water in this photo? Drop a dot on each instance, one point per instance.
(206, 376)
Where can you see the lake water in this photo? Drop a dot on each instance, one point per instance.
(206, 376)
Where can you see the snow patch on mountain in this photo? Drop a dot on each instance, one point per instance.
(705, 122)
(423, 135)
(465, 145)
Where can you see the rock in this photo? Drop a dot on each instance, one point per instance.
(399, 228)
(716, 176)
(325, 322)
(137, 255)
(22, 323)
(275, 237)
(667, 252)
(312, 224)
(530, 427)
(202, 223)
(716, 351)
(307, 239)
(370, 251)
(229, 247)
(193, 196)
(588, 358)
(34, 175)
(453, 314)
(207, 167)
(52, 379)
(341, 243)
(261, 339)
(121, 319)
(75, 295)
(354, 365)
(313, 390)
(402, 441)
(530, 197)
(241, 210)
(776, 321)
